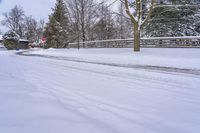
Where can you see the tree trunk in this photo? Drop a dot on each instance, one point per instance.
(136, 38)
(83, 36)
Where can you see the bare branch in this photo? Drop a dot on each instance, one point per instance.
(133, 19)
(149, 14)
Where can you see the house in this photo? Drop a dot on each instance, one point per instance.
(23, 43)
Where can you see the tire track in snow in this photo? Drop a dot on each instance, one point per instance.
(144, 67)
(89, 107)
(96, 106)
(123, 76)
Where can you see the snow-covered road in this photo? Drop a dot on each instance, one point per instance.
(42, 95)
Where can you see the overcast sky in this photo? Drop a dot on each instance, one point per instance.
(39, 9)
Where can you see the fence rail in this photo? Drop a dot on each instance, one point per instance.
(156, 42)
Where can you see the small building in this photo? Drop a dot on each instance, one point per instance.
(1, 38)
(1, 42)
(23, 44)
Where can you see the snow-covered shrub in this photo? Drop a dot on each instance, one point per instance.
(10, 40)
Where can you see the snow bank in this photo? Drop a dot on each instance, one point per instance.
(178, 58)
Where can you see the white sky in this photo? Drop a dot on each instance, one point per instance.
(39, 9)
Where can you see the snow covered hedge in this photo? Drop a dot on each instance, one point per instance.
(10, 40)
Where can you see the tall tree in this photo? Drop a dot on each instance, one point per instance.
(31, 29)
(40, 30)
(14, 20)
(175, 19)
(58, 28)
(135, 10)
(104, 27)
(123, 23)
(82, 14)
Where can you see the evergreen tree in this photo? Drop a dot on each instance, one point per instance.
(57, 29)
(10, 40)
(168, 21)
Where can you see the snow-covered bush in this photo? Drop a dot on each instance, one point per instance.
(10, 40)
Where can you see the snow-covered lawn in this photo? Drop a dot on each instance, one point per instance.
(179, 58)
(71, 91)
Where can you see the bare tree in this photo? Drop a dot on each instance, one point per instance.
(138, 16)
(123, 23)
(40, 29)
(73, 15)
(14, 20)
(82, 13)
(31, 28)
(104, 27)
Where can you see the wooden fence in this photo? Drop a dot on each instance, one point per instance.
(153, 42)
